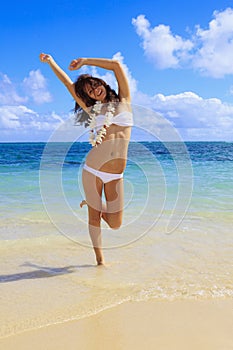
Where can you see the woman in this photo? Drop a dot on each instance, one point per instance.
(110, 119)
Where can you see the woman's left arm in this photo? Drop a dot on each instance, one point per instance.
(114, 65)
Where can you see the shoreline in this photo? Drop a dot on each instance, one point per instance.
(152, 324)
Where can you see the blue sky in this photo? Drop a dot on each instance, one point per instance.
(178, 57)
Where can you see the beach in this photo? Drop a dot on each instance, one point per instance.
(151, 325)
(163, 286)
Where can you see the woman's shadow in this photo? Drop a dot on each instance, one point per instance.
(41, 272)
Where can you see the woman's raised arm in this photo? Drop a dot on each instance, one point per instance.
(109, 64)
(62, 76)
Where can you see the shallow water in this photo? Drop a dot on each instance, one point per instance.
(48, 271)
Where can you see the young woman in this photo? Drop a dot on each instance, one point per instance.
(109, 116)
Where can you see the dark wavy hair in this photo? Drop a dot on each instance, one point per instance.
(81, 117)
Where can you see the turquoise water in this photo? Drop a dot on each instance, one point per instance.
(152, 173)
(176, 240)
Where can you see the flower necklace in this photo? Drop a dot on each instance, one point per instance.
(96, 137)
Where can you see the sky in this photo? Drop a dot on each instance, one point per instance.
(178, 57)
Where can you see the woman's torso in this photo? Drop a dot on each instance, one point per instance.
(111, 155)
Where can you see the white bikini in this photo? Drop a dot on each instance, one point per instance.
(124, 118)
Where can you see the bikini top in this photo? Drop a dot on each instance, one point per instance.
(124, 118)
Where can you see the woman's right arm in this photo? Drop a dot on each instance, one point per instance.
(63, 77)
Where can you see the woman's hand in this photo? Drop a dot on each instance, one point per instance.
(76, 64)
(45, 58)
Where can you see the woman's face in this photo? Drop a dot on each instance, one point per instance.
(96, 91)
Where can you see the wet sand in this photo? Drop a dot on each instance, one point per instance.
(149, 325)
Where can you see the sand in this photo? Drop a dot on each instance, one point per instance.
(174, 325)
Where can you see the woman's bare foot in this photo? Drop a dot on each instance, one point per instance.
(83, 203)
(99, 256)
(100, 263)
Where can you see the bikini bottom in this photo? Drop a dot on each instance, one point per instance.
(105, 177)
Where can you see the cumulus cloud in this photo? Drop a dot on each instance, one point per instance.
(208, 50)
(21, 118)
(20, 123)
(132, 81)
(160, 45)
(196, 118)
(17, 120)
(33, 88)
(231, 90)
(215, 54)
(8, 93)
(36, 87)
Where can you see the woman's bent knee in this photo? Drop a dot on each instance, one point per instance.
(115, 225)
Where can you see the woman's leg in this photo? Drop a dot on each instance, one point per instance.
(112, 213)
(93, 190)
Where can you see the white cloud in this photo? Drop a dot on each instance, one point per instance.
(160, 45)
(208, 50)
(18, 122)
(231, 90)
(36, 87)
(132, 82)
(215, 54)
(15, 117)
(8, 94)
(21, 118)
(195, 118)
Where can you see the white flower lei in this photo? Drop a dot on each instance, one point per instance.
(96, 137)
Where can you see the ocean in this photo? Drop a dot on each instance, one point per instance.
(176, 241)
